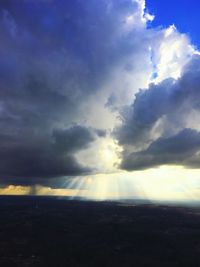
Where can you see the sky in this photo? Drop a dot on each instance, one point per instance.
(184, 14)
(100, 99)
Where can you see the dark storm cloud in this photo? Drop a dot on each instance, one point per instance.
(180, 149)
(53, 57)
(149, 106)
(46, 156)
(171, 104)
(85, 31)
(72, 139)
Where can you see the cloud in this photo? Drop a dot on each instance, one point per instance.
(49, 156)
(72, 139)
(65, 78)
(154, 126)
(15, 190)
(52, 71)
(180, 149)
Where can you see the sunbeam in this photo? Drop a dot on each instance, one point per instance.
(164, 183)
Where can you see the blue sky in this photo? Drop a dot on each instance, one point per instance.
(183, 13)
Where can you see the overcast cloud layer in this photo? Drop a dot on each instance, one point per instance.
(70, 78)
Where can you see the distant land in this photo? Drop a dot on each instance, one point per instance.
(49, 231)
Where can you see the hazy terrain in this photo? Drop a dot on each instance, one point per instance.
(37, 231)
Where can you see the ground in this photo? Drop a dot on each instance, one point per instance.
(39, 231)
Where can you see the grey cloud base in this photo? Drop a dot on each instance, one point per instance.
(49, 156)
(180, 149)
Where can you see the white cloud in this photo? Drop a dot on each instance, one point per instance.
(171, 53)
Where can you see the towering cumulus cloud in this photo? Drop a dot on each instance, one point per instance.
(70, 73)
